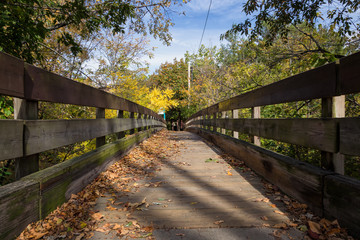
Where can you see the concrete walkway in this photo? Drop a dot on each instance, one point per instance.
(200, 196)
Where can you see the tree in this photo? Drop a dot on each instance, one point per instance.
(25, 24)
(279, 15)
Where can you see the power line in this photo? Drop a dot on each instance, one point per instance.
(207, 16)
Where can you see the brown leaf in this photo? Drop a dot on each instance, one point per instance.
(38, 235)
(264, 218)
(314, 227)
(279, 212)
(80, 236)
(219, 222)
(281, 225)
(97, 216)
(111, 208)
(116, 226)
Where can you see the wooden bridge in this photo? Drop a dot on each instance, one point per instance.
(326, 191)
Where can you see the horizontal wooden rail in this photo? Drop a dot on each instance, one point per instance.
(322, 82)
(317, 83)
(45, 135)
(22, 80)
(315, 133)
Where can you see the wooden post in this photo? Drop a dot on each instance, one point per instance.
(333, 107)
(235, 114)
(132, 115)
(120, 134)
(27, 110)
(223, 115)
(256, 113)
(100, 113)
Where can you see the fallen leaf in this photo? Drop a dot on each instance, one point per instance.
(280, 225)
(83, 224)
(80, 236)
(314, 227)
(97, 216)
(193, 203)
(333, 231)
(279, 212)
(180, 234)
(116, 226)
(264, 218)
(37, 235)
(101, 230)
(303, 228)
(229, 173)
(111, 208)
(219, 222)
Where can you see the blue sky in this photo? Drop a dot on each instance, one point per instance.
(188, 29)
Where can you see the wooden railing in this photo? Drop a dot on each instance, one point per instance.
(37, 193)
(333, 134)
(31, 84)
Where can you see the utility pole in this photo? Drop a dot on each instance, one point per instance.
(189, 82)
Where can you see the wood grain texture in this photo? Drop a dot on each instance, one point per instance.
(349, 74)
(41, 85)
(11, 139)
(11, 76)
(341, 201)
(43, 135)
(349, 136)
(19, 206)
(316, 83)
(297, 179)
(315, 133)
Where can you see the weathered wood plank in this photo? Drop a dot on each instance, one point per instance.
(43, 135)
(341, 201)
(316, 83)
(349, 136)
(11, 76)
(11, 138)
(349, 74)
(315, 133)
(19, 206)
(41, 85)
(57, 183)
(298, 179)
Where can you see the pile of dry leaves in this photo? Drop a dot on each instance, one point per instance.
(302, 218)
(77, 219)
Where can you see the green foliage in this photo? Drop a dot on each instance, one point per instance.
(6, 107)
(6, 171)
(279, 15)
(26, 24)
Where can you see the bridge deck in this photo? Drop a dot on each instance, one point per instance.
(201, 196)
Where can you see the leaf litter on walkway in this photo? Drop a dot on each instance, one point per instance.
(77, 219)
(301, 217)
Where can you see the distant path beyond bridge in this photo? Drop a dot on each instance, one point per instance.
(202, 197)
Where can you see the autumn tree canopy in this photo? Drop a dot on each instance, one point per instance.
(25, 24)
(278, 15)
